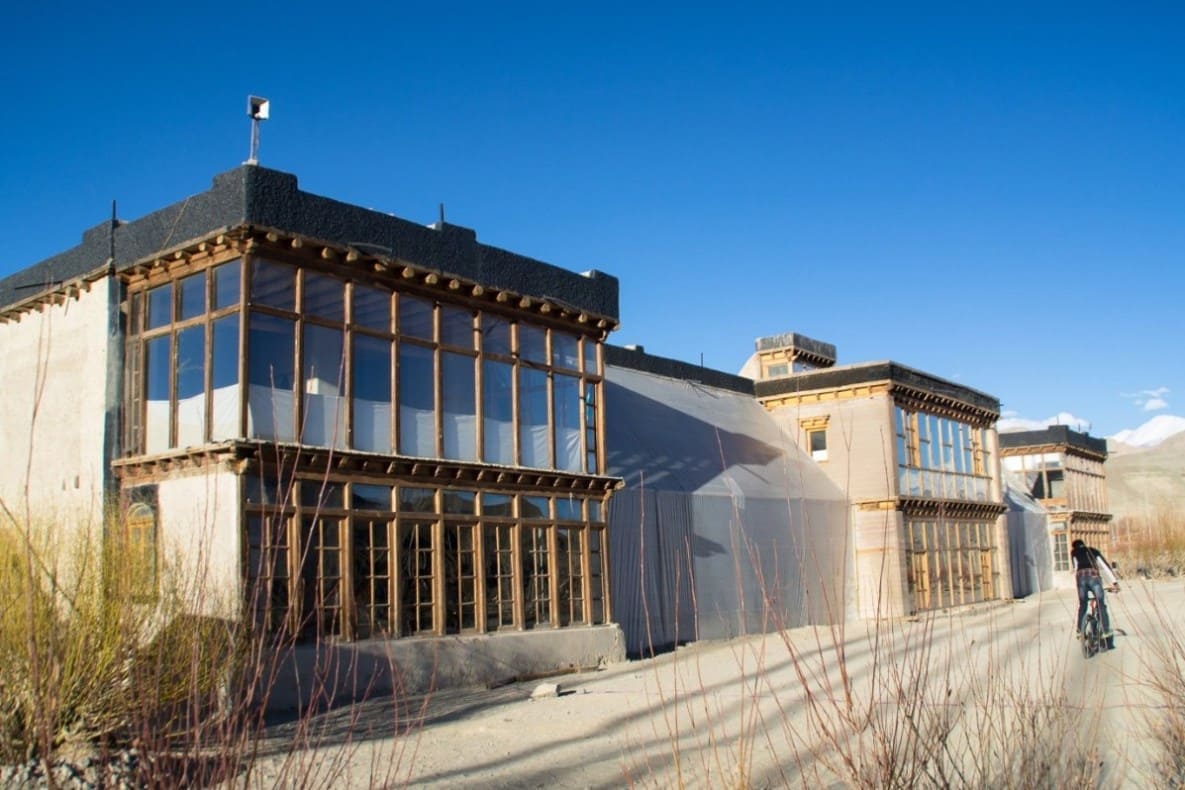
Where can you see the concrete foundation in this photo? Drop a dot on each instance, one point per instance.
(332, 673)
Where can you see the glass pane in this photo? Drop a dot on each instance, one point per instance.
(536, 507)
(193, 295)
(160, 306)
(417, 408)
(460, 502)
(157, 357)
(495, 334)
(568, 452)
(456, 326)
(191, 386)
(372, 394)
(273, 284)
(271, 376)
(323, 494)
(370, 497)
(224, 360)
(324, 296)
(564, 351)
(226, 284)
(533, 434)
(324, 423)
(420, 500)
(532, 343)
(372, 308)
(497, 505)
(459, 400)
(589, 349)
(594, 511)
(497, 404)
(568, 509)
(415, 317)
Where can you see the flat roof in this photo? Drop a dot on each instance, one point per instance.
(865, 372)
(255, 196)
(638, 359)
(1061, 435)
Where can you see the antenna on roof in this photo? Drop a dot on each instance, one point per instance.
(442, 215)
(258, 109)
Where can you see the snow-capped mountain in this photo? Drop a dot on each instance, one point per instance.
(1152, 432)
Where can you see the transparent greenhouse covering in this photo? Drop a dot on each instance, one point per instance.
(724, 526)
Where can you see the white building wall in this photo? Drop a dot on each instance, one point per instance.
(859, 442)
(53, 382)
(199, 534)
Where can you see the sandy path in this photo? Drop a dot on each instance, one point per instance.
(1009, 676)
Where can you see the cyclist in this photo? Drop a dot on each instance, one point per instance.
(1086, 561)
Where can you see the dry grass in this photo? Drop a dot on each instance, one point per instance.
(1152, 545)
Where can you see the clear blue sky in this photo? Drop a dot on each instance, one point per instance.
(995, 197)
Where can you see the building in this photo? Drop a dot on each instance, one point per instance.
(365, 428)
(916, 457)
(1062, 470)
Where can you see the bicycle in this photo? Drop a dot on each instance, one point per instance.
(1092, 625)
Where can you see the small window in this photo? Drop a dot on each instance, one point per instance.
(780, 369)
(139, 551)
(817, 440)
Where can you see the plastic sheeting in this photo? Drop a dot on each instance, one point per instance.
(1028, 539)
(725, 527)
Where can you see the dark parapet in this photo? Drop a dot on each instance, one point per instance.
(255, 196)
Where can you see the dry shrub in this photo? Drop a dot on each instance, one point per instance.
(91, 649)
(1151, 544)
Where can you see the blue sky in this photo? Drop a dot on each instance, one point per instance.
(995, 196)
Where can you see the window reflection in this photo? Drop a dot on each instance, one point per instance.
(273, 284)
(324, 296)
(417, 407)
(372, 394)
(415, 317)
(372, 308)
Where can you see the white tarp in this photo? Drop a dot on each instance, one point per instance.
(724, 526)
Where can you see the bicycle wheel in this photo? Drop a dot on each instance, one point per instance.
(1090, 636)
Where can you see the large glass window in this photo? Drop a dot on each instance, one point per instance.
(326, 366)
(425, 561)
(940, 458)
(951, 562)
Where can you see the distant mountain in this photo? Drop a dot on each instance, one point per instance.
(1151, 433)
(1147, 479)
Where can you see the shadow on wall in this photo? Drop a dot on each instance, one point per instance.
(724, 527)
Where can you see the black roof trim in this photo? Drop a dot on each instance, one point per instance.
(675, 369)
(1054, 434)
(255, 196)
(847, 375)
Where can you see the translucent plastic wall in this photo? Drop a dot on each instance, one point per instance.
(1028, 540)
(724, 527)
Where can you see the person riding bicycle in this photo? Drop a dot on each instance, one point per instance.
(1088, 562)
